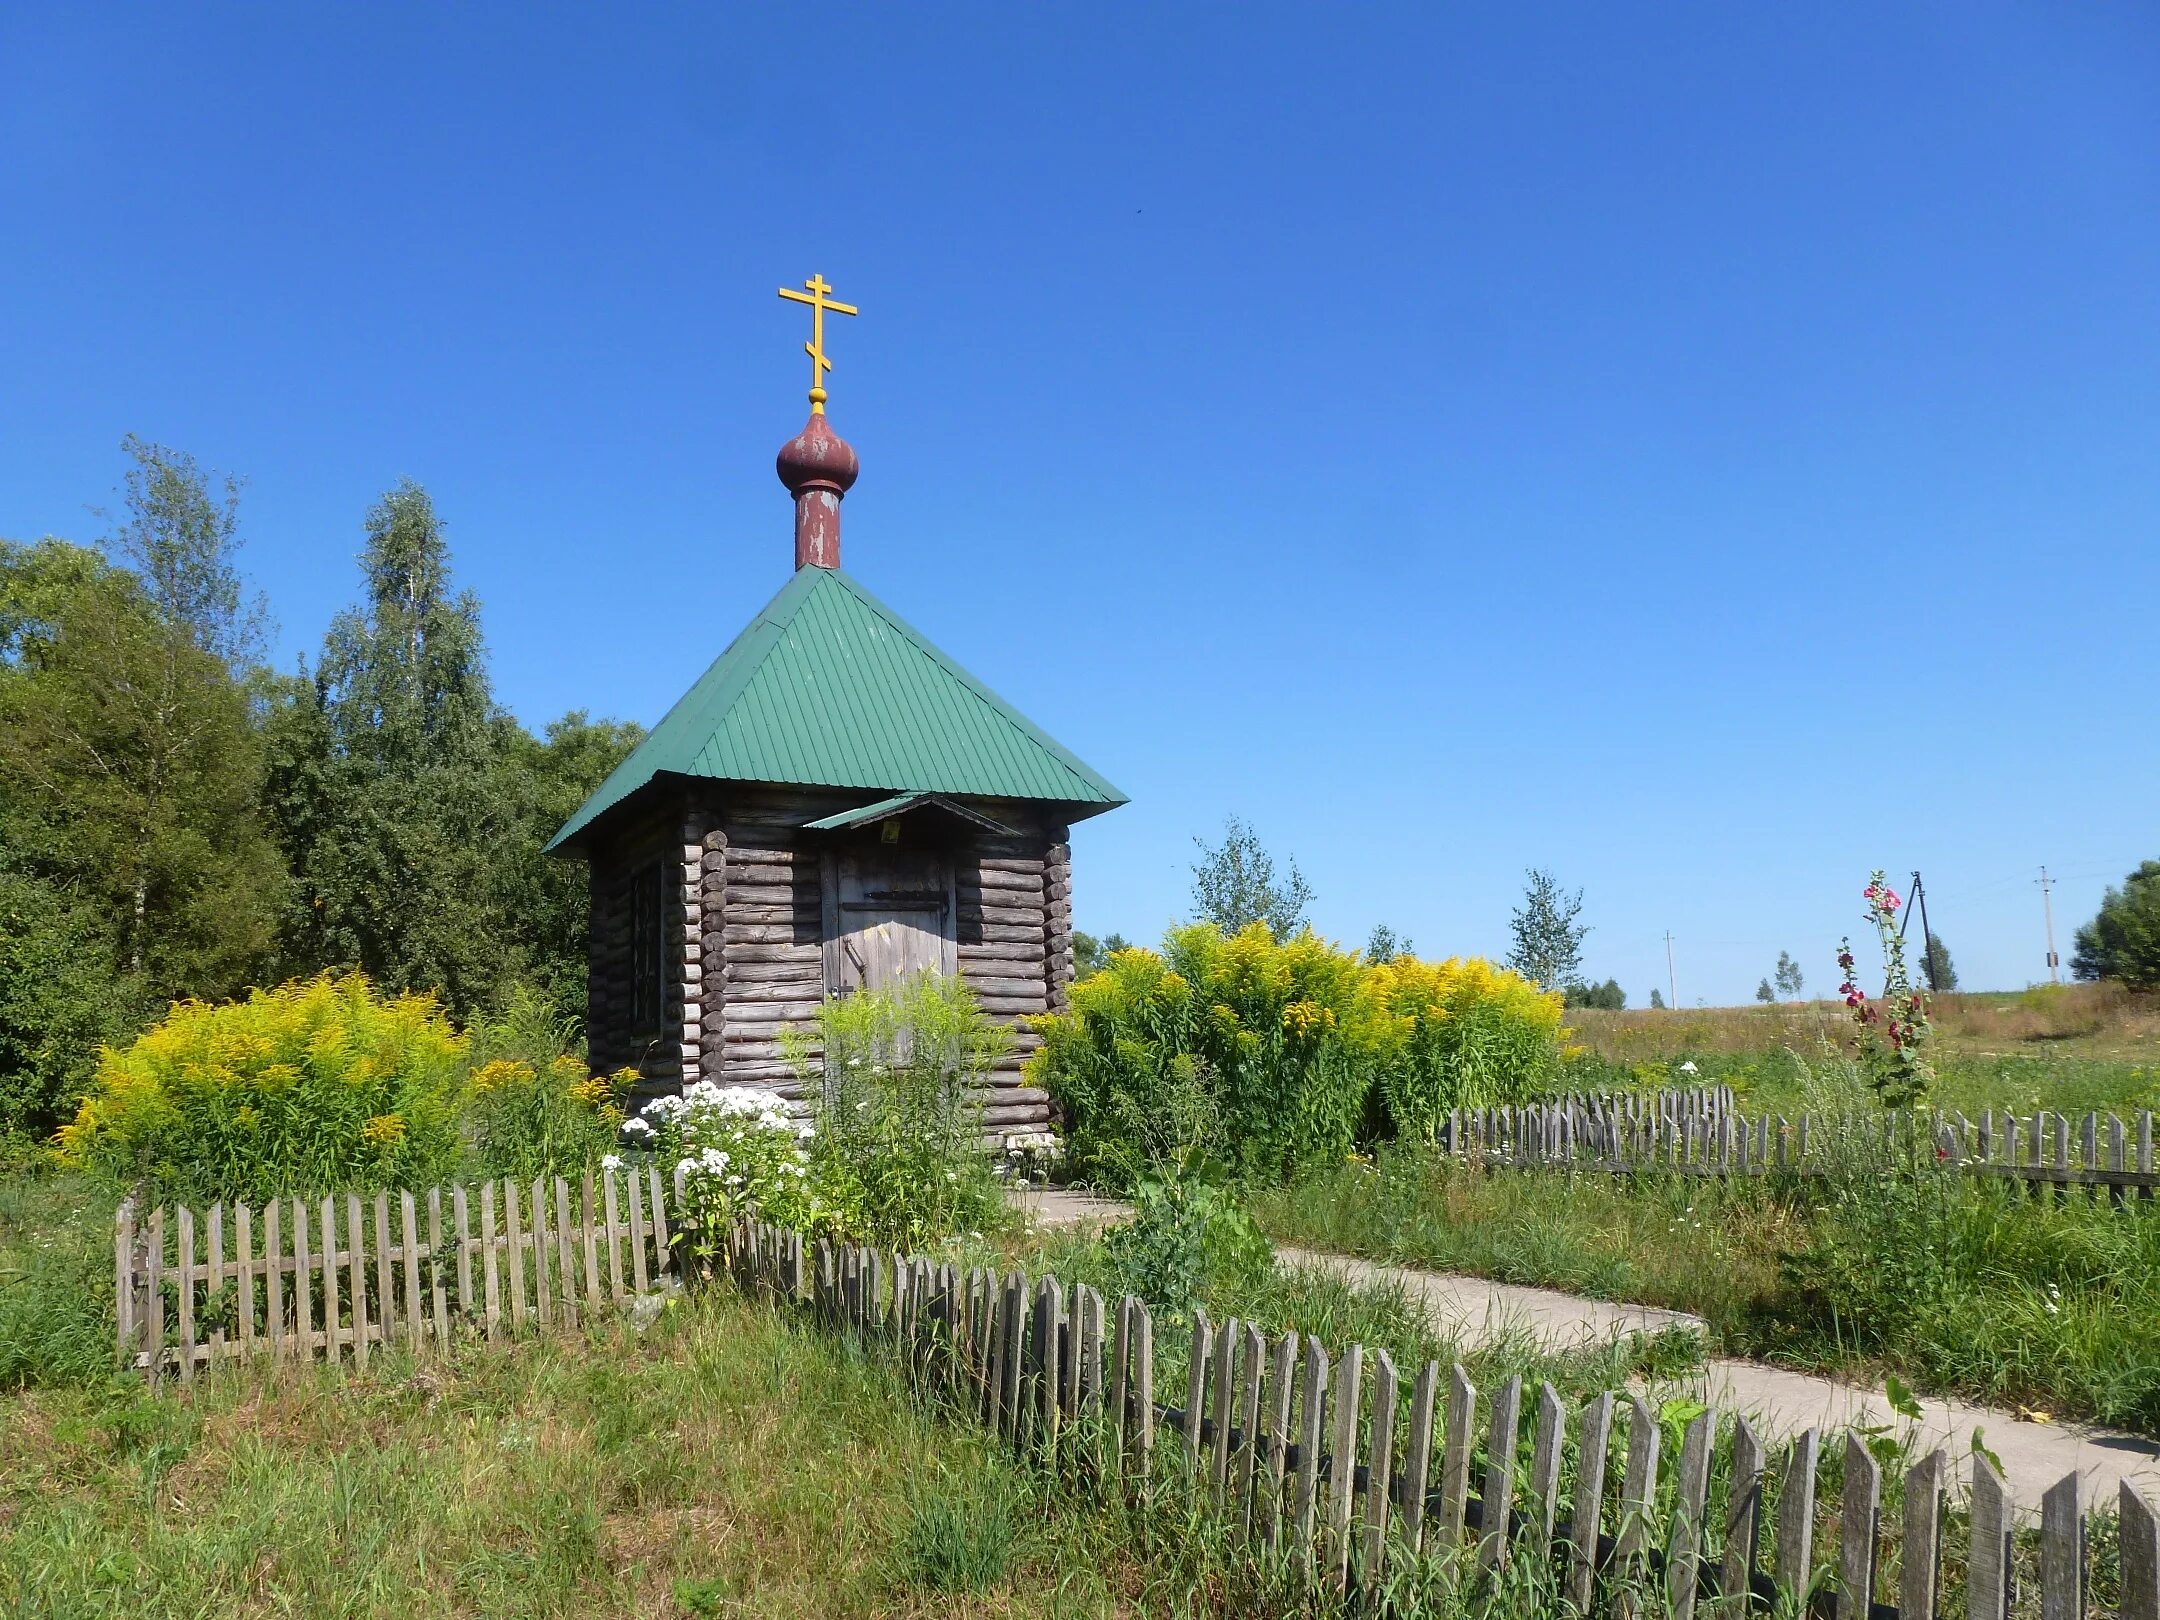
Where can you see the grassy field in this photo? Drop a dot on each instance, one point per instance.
(724, 1460)
(2077, 1020)
(721, 1463)
(1957, 1286)
(2067, 1047)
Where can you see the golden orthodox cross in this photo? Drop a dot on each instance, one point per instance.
(813, 294)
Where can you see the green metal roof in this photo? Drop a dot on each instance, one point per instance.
(828, 687)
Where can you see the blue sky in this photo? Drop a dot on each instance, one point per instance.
(1708, 450)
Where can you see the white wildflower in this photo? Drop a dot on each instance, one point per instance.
(611, 1161)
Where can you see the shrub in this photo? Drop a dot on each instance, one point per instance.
(531, 1106)
(551, 1120)
(893, 1078)
(737, 1151)
(1284, 1036)
(1288, 1042)
(317, 1086)
(1185, 1242)
(1466, 1034)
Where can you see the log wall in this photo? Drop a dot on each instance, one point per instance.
(614, 866)
(766, 931)
(745, 938)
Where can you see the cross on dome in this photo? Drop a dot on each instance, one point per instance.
(813, 294)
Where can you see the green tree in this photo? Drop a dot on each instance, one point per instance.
(130, 757)
(59, 1002)
(1092, 955)
(542, 900)
(1788, 977)
(1548, 938)
(1234, 885)
(1657, 999)
(414, 811)
(181, 535)
(1766, 995)
(385, 784)
(1941, 974)
(1384, 944)
(1606, 997)
(2123, 940)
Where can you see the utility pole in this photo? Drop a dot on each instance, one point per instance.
(2047, 909)
(1672, 985)
(1918, 897)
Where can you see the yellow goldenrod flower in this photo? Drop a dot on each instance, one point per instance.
(383, 1130)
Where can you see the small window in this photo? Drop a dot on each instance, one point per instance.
(648, 955)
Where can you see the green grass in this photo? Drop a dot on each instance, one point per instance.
(727, 1460)
(1780, 1080)
(1324, 1305)
(724, 1462)
(1959, 1286)
(56, 1314)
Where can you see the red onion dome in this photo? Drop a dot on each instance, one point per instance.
(817, 457)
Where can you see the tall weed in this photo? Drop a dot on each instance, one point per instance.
(56, 1312)
(895, 1078)
(531, 1107)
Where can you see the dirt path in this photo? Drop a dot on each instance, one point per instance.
(1781, 1402)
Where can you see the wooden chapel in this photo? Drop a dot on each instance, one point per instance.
(834, 804)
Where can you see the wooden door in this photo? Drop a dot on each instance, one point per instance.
(889, 913)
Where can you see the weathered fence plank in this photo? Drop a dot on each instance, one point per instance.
(1496, 1501)
(1417, 1457)
(1455, 1458)
(1312, 1430)
(1988, 1566)
(1282, 1391)
(2139, 1529)
(1683, 1557)
(2062, 1551)
(1857, 1530)
(1380, 1473)
(1920, 1545)
(1544, 1495)
(1743, 1512)
(1342, 1480)
(1593, 1447)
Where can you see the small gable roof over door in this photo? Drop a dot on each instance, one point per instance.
(828, 687)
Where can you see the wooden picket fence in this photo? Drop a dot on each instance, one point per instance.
(1709, 1137)
(1313, 1456)
(299, 1278)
